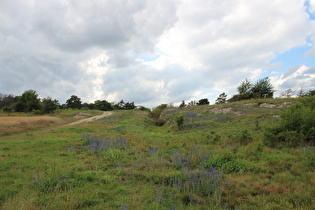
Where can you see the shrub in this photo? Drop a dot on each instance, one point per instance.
(7, 110)
(244, 137)
(157, 116)
(297, 125)
(180, 119)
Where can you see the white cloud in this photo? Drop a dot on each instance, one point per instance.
(312, 6)
(295, 78)
(92, 48)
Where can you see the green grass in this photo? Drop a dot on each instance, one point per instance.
(214, 161)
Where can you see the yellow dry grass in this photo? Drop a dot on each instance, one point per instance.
(17, 124)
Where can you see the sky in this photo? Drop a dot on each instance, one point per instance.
(154, 51)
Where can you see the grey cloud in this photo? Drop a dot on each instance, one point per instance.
(290, 71)
(304, 80)
(81, 25)
(310, 70)
(44, 43)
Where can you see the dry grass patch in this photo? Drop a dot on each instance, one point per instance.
(10, 125)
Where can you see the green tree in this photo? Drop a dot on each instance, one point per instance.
(221, 99)
(129, 105)
(103, 105)
(311, 92)
(192, 103)
(245, 89)
(7, 100)
(183, 104)
(49, 105)
(204, 101)
(74, 102)
(28, 102)
(120, 105)
(263, 89)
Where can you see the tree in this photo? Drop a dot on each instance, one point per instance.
(192, 103)
(182, 104)
(204, 101)
(7, 100)
(49, 105)
(28, 102)
(245, 89)
(74, 102)
(311, 93)
(287, 93)
(263, 89)
(129, 105)
(221, 98)
(103, 105)
(301, 93)
(120, 105)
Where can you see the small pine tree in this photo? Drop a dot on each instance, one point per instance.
(221, 99)
(183, 104)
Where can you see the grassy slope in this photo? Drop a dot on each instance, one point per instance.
(150, 170)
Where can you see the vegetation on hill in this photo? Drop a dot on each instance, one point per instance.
(238, 155)
(254, 152)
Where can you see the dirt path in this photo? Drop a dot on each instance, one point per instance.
(105, 114)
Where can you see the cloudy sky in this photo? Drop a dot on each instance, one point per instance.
(154, 51)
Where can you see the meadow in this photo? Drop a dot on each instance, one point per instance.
(216, 159)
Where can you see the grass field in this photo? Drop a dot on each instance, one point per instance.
(216, 160)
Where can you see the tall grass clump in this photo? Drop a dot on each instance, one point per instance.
(99, 144)
(308, 154)
(52, 181)
(297, 125)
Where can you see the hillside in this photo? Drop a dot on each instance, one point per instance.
(216, 159)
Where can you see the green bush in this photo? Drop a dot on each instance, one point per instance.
(244, 137)
(157, 116)
(180, 119)
(297, 125)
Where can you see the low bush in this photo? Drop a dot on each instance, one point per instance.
(297, 125)
(243, 137)
(158, 117)
(180, 119)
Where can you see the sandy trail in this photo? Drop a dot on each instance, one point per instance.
(105, 114)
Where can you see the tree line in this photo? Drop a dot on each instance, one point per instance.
(262, 88)
(29, 101)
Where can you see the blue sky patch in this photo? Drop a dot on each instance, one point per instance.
(295, 57)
